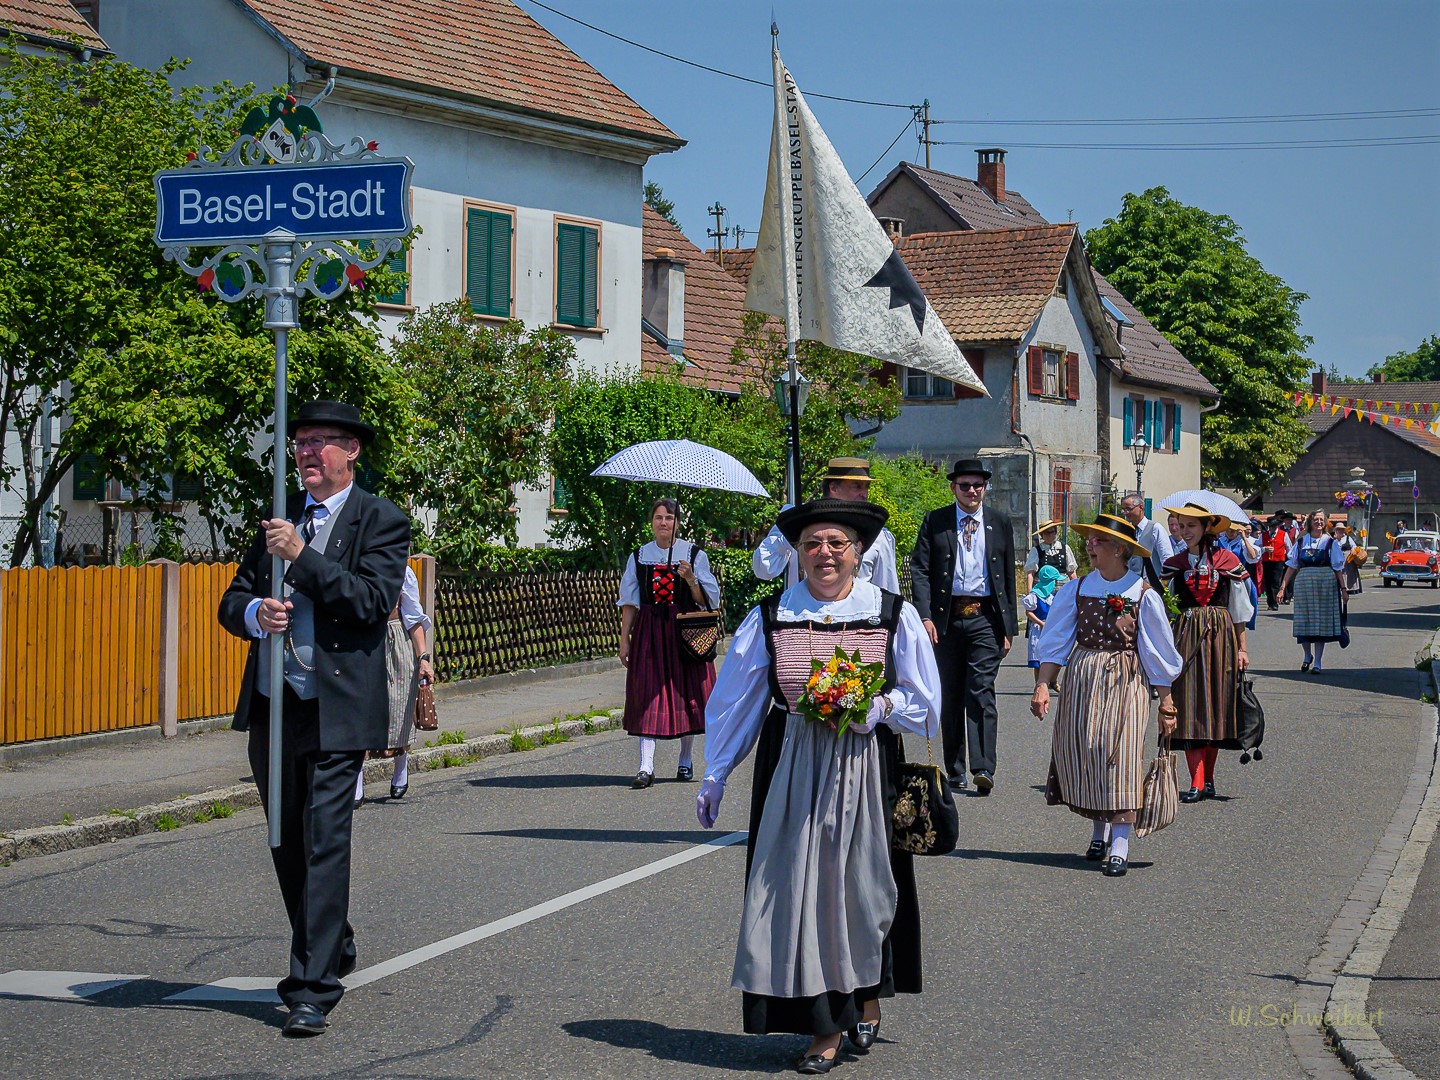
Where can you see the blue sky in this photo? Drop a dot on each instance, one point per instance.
(1356, 228)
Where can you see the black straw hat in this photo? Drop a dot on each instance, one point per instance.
(867, 519)
(968, 465)
(333, 414)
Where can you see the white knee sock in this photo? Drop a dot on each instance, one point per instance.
(1319, 652)
(402, 769)
(687, 750)
(360, 784)
(647, 755)
(1120, 841)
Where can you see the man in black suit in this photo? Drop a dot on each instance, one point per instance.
(346, 564)
(963, 578)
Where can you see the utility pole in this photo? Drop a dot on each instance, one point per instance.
(718, 212)
(922, 117)
(740, 233)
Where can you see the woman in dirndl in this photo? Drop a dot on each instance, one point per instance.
(1110, 633)
(1212, 586)
(665, 690)
(831, 921)
(1317, 567)
(407, 665)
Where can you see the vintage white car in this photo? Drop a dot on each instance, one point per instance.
(1415, 557)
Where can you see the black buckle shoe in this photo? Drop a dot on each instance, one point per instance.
(642, 780)
(685, 773)
(397, 791)
(1195, 794)
(817, 1064)
(1209, 790)
(1115, 866)
(862, 1035)
(1097, 849)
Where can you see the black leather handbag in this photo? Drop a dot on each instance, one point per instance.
(925, 819)
(1249, 721)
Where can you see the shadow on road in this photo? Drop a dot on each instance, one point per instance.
(691, 1046)
(1401, 682)
(1058, 860)
(151, 994)
(1427, 619)
(556, 780)
(603, 836)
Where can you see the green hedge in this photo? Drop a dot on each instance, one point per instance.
(740, 589)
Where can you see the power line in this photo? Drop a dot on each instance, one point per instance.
(1293, 144)
(908, 125)
(706, 67)
(1273, 118)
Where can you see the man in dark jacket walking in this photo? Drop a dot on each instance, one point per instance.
(345, 551)
(962, 575)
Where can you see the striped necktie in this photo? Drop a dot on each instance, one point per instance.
(307, 525)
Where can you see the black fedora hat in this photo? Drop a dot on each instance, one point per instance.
(867, 519)
(332, 413)
(968, 465)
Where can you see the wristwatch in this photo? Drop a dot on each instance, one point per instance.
(424, 656)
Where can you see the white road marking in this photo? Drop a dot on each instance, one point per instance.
(61, 985)
(246, 988)
(458, 941)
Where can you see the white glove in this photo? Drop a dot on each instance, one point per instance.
(707, 803)
(875, 715)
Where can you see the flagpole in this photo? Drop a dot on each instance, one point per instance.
(792, 370)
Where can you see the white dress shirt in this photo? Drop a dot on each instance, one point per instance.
(776, 556)
(1150, 535)
(1154, 642)
(324, 511)
(652, 554)
(970, 577)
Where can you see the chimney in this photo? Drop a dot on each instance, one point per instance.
(894, 228)
(990, 172)
(1317, 382)
(1380, 376)
(663, 299)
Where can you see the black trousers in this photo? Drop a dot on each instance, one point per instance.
(968, 655)
(1274, 573)
(312, 863)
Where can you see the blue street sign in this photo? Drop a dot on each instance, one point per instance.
(1414, 493)
(202, 207)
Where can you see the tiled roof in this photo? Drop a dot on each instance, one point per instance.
(969, 201)
(46, 19)
(1388, 399)
(738, 262)
(1149, 356)
(486, 50)
(714, 313)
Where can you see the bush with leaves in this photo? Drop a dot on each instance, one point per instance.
(909, 487)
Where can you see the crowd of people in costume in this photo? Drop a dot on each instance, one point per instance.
(830, 925)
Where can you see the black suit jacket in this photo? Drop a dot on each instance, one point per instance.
(354, 586)
(932, 567)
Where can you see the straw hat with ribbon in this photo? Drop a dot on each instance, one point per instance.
(1110, 527)
(1046, 527)
(1195, 511)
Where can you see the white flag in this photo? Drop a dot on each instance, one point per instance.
(826, 266)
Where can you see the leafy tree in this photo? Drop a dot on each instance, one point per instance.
(142, 370)
(1420, 365)
(1189, 271)
(909, 487)
(656, 200)
(482, 402)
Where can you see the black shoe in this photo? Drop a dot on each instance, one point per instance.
(1305, 664)
(958, 785)
(984, 782)
(398, 791)
(347, 965)
(1195, 794)
(685, 773)
(862, 1036)
(1097, 849)
(1115, 866)
(642, 780)
(304, 1019)
(359, 803)
(817, 1064)
(1209, 790)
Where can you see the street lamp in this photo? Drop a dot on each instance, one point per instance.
(1139, 451)
(791, 392)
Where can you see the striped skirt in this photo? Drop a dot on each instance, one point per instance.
(1205, 691)
(401, 674)
(1097, 748)
(1317, 605)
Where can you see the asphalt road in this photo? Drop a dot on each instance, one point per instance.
(1036, 965)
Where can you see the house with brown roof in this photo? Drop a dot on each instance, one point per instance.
(527, 188)
(1145, 385)
(50, 25)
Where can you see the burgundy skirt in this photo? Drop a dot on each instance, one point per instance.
(665, 692)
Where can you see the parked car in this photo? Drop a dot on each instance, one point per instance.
(1415, 557)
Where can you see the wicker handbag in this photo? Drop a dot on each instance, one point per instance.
(925, 819)
(1161, 794)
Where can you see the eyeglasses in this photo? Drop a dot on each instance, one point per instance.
(814, 547)
(968, 485)
(316, 442)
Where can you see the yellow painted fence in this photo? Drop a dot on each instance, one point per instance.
(110, 647)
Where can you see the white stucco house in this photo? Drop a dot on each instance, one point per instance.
(527, 187)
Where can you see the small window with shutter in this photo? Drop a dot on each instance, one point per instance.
(87, 478)
(1050, 373)
(398, 263)
(489, 247)
(577, 275)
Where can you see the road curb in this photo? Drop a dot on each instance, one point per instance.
(166, 816)
(1338, 985)
(65, 744)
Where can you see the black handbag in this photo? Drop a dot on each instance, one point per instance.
(925, 819)
(1249, 721)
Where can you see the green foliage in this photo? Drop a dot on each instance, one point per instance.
(166, 822)
(122, 813)
(909, 487)
(221, 809)
(656, 200)
(1419, 365)
(67, 819)
(1189, 272)
(554, 735)
(519, 743)
(204, 814)
(482, 398)
(740, 589)
(450, 738)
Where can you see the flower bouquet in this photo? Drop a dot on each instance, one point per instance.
(840, 690)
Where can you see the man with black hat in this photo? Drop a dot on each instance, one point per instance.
(845, 478)
(345, 566)
(963, 578)
(1274, 550)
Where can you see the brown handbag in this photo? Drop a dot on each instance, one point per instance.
(426, 716)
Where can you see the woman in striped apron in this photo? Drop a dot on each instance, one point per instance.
(1317, 566)
(1109, 630)
(1213, 589)
(831, 922)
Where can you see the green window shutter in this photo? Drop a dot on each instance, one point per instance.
(577, 253)
(1175, 428)
(1129, 436)
(398, 263)
(87, 478)
(487, 262)
(560, 498)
